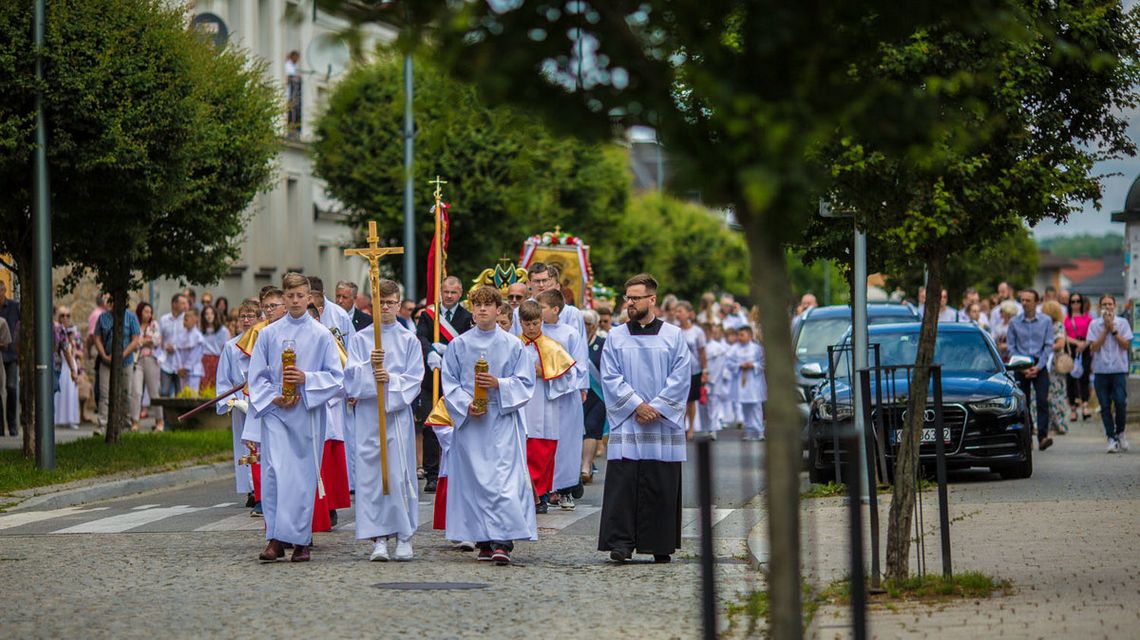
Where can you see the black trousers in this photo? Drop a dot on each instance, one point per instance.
(641, 507)
(421, 410)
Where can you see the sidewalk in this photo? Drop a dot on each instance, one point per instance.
(1063, 537)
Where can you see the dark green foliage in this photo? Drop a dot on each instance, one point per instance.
(508, 177)
(1084, 245)
(156, 144)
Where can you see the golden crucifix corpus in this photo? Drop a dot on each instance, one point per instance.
(372, 254)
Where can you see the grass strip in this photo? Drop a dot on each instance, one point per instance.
(92, 457)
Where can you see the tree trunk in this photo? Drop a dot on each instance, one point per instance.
(907, 461)
(784, 446)
(27, 349)
(117, 392)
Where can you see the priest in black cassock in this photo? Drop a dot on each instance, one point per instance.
(645, 378)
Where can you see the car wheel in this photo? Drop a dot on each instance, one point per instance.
(815, 474)
(820, 476)
(1023, 469)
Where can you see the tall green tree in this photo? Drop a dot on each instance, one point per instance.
(509, 177)
(1045, 101)
(156, 143)
(740, 92)
(686, 246)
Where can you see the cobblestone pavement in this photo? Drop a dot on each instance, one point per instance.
(1065, 538)
(182, 563)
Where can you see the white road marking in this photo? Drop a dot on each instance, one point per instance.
(145, 506)
(127, 521)
(240, 522)
(558, 519)
(20, 519)
(691, 521)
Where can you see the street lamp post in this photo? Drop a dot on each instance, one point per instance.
(41, 247)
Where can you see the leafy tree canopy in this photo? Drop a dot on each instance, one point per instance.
(508, 176)
(1084, 245)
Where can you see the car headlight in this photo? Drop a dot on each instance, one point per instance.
(843, 412)
(995, 406)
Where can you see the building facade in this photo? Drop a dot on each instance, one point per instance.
(295, 225)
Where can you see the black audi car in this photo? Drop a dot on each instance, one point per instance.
(985, 416)
(823, 326)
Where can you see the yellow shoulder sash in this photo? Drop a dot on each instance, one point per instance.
(552, 358)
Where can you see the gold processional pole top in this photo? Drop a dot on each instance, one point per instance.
(438, 182)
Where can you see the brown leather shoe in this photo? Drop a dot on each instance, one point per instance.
(272, 552)
(300, 553)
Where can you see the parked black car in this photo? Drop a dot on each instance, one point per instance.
(820, 327)
(985, 417)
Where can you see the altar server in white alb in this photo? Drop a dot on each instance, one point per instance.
(293, 425)
(716, 353)
(749, 383)
(338, 320)
(233, 366)
(556, 398)
(489, 497)
(399, 367)
(571, 418)
(645, 376)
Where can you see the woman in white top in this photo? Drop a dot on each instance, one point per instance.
(999, 330)
(215, 334)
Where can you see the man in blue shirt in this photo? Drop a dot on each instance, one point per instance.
(1109, 338)
(1032, 334)
(104, 334)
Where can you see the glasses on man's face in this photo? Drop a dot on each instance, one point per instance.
(539, 282)
(389, 303)
(273, 305)
(515, 297)
(248, 316)
(636, 299)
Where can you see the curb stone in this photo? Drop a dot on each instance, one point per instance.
(49, 499)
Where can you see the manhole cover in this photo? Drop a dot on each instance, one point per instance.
(429, 586)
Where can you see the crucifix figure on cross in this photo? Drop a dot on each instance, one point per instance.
(373, 253)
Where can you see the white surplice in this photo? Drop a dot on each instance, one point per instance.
(233, 366)
(489, 496)
(652, 369)
(571, 420)
(398, 512)
(291, 439)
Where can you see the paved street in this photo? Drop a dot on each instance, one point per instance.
(188, 558)
(1064, 537)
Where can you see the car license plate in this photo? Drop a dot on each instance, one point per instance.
(927, 435)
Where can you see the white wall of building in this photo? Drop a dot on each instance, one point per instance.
(295, 225)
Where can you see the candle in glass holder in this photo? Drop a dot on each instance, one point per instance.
(479, 398)
(288, 359)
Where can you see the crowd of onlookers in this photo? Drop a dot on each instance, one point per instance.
(1077, 344)
(161, 356)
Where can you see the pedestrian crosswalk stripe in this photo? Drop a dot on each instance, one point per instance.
(558, 519)
(19, 519)
(138, 519)
(240, 522)
(131, 520)
(691, 521)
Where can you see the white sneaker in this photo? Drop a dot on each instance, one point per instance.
(403, 550)
(1123, 442)
(1113, 446)
(567, 502)
(380, 551)
(467, 545)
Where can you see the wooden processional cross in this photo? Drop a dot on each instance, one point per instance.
(372, 254)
